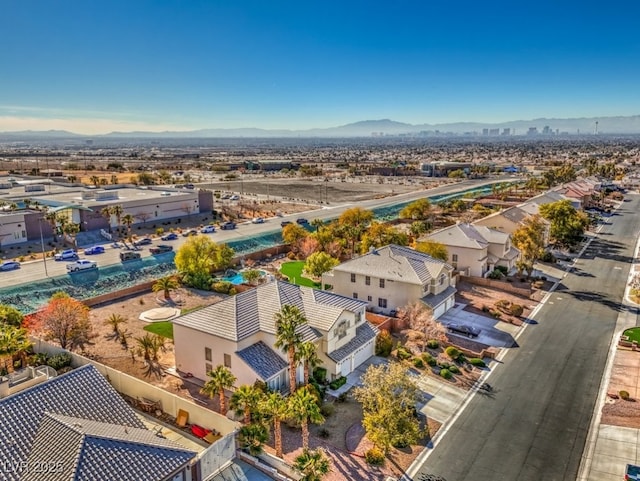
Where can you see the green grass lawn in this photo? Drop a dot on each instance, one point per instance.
(293, 270)
(164, 329)
(633, 333)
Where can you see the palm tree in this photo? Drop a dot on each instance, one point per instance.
(114, 320)
(72, 231)
(157, 345)
(246, 399)
(308, 355)
(52, 218)
(14, 341)
(220, 379)
(288, 337)
(252, 437)
(127, 220)
(145, 346)
(303, 408)
(94, 180)
(313, 465)
(275, 407)
(117, 210)
(166, 285)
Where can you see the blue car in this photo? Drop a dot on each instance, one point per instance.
(94, 250)
(9, 265)
(169, 236)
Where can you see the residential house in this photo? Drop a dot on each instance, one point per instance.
(476, 250)
(76, 426)
(392, 277)
(240, 333)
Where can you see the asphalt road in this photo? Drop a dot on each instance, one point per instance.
(35, 271)
(534, 423)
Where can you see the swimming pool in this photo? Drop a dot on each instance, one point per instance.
(237, 278)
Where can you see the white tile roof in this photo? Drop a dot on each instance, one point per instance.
(396, 263)
(460, 235)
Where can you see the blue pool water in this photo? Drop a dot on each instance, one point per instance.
(237, 278)
(84, 285)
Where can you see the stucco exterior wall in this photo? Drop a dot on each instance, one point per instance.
(498, 222)
(475, 260)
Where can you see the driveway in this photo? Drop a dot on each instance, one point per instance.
(493, 333)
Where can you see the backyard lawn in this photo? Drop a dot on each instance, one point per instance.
(633, 333)
(164, 329)
(293, 270)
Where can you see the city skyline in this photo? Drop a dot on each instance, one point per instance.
(155, 66)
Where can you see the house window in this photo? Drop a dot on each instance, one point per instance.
(227, 360)
(369, 298)
(358, 317)
(341, 330)
(353, 277)
(208, 368)
(207, 354)
(454, 257)
(441, 280)
(382, 303)
(382, 283)
(367, 280)
(355, 295)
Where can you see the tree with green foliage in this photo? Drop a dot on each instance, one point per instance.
(166, 285)
(313, 465)
(318, 263)
(567, 224)
(199, 257)
(275, 407)
(352, 225)
(220, 378)
(417, 210)
(432, 248)
(10, 316)
(293, 233)
(251, 276)
(245, 400)
(128, 220)
(529, 239)
(289, 338)
(379, 234)
(388, 396)
(456, 174)
(252, 437)
(307, 355)
(14, 342)
(114, 320)
(303, 409)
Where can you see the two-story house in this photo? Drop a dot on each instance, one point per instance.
(392, 277)
(240, 333)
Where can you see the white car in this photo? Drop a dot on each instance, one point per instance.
(81, 265)
(258, 220)
(234, 197)
(66, 255)
(207, 229)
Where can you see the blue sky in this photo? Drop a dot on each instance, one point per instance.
(97, 66)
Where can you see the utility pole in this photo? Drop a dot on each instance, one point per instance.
(44, 256)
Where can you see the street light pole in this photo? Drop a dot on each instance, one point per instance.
(44, 256)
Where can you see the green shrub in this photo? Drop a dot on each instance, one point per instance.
(444, 365)
(502, 269)
(496, 314)
(495, 274)
(159, 231)
(402, 353)
(548, 257)
(476, 361)
(336, 384)
(503, 304)
(59, 361)
(374, 457)
(445, 373)
(384, 343)
(433, 344)
(452, 352)
(38, 359)
(320, 374)
(324, 433)
(223, 287)
(516, 310)
(485, 308)
(454, 369)
(429, 359)
(417, 362)
(342, 398)
(624, 395)
(327, 409)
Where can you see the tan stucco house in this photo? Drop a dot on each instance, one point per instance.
(240, 332)
(391, 277)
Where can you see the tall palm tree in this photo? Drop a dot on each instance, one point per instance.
(95, 180)
(312, 464)
(308, 355)
(220, 378)
(246, 399)
(303, 409)
(166, 285)
(72, 231)
(288, 337)
(14, 341)
(114, 320)
(117, 210)
(275, 407)
(127, 220)
(52, 218)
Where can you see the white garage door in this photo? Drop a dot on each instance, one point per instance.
(345, 366)
(364, 353)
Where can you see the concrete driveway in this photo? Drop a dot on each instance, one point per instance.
(492, 332)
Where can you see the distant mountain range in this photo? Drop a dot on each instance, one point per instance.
(368, 128)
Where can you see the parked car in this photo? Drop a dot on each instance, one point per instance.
(228, 226)
(66, 255)
(9, 265)
(465, 329)
(169, 237)
(94, 250)
(160, 249)
(258, 220)
(129, 256)
(234, 197)
(285, 222)
(207, 229)
(81, 265)
(302, 221)
(190, 232)
(145, 241)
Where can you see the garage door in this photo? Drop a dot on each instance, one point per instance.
(345, 366)
(364, 353)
